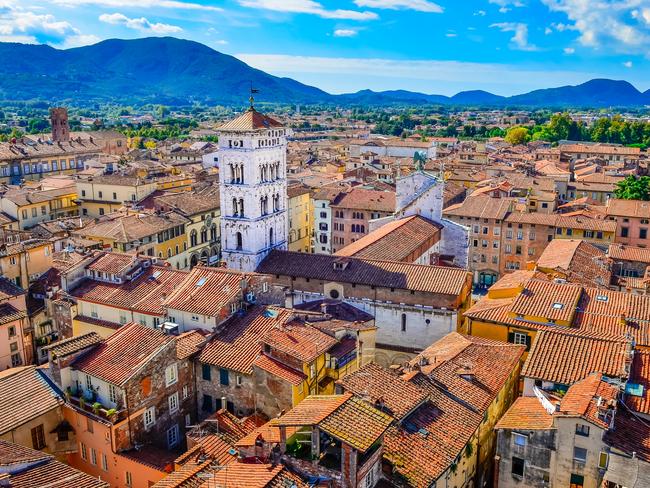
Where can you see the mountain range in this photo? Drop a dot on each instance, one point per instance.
(177, 72)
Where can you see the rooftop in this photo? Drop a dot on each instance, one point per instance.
(249, 121)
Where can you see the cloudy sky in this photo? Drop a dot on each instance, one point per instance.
(442, 46)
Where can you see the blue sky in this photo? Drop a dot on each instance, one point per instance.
(442, 46)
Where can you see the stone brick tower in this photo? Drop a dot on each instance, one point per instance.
(60, 125)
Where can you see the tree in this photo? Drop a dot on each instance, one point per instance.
(633, 188)
(517, 136)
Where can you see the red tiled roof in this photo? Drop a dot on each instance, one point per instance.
(111, 262)
(631, 434)
(380, 386)
(544, 299)
(312, 410)
(387, 274)
(279, 369)
(481, 206)
(24, 396)
(582, 398)
(250, 120)
(369, 200)
(395, 241)
(9, 313)
(74, 344)
(299, 340)
(628, 208)
(237, 343)
(145, 294)
(578, 261)
(526, 413)
(206, 291)
(640, 374)
(120, 356)
(566, 358)
(188, 343)
(472, 368)
(619, 252)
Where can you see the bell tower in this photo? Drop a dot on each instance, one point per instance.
(60, 125)
(253, 188)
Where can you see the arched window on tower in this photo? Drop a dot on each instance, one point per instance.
(241, 207)
(240, 241)
(241, 169)
(271, 236)
(233, 174)
(235, 210)
(204, 234)
(193, 238)
(213, 233)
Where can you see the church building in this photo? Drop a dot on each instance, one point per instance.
(253, 189)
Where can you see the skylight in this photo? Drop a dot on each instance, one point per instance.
(558, 306)
(602, 298)
(156, 274)
(201, 281)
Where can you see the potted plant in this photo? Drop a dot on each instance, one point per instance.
(96, 407)
(82, 402)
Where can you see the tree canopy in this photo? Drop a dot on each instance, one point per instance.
(633, 188)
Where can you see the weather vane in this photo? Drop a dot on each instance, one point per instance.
(253, 92)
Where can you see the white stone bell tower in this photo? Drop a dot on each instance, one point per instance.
(253, 189)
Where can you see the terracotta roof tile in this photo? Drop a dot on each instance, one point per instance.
(565, 358)
(9, 313)
(206, 291)
(312, 410)
(144, 294)
(583, 398)
(370, 200)
(631, 434)
(25, 394)
(120, 356)
(356, 423)
(395, 241)
(577, 261)
(526, 413)
(250, 120)
(619, 252)
(406, 276)
(237, 343)
(299, 340)
(279, 369)
(380, 386)
(189, 343)
(628, 208)
(640, 375)
(65, 347)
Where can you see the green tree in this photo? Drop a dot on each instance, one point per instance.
(517, 136)
(633, 188)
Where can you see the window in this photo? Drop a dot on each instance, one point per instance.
(104, 462)
(186, 392)
(403, 322)
(625, 231)
(223, 377)
(173, 403)
(89, 382)
(16, 360)
(206, 372)
(207, 403)
(112, 393)
(520, 339)
(518, 466)
(520, 439)
(93, 456)
(603, 460)
(238, 380)
(172, 437)
(582, 430)
(558, 306)
(128, 479)
(580, 454)
(38, 437)
(149, 417)
(643, 233)
(577, 481)
(84, 451)
(171, 375)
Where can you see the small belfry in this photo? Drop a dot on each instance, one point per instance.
(253, 188)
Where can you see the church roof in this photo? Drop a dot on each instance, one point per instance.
(250, 120)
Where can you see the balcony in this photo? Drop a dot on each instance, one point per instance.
(91, 407)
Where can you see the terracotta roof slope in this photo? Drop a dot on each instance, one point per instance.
(526, 413)
(119, 356)
(250, 120)
(25, 394)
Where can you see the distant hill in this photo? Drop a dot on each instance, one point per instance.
(175, 71)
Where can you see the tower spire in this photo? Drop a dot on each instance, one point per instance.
(251, 99)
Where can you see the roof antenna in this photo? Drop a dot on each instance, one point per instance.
(251, 99)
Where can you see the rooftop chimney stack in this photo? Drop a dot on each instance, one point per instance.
(60, 125)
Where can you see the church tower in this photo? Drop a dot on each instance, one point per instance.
(253, 189)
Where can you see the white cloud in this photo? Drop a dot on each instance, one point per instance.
(142, 4)
(569, 50)
(432, 76)
(519, 40)
(628, 64)
(508, 3)
(141, 24)
(78, 40)
(345, 33)
(308, 7)
(618, 25)
(451, 34)
(419, 5)
(480, 13)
